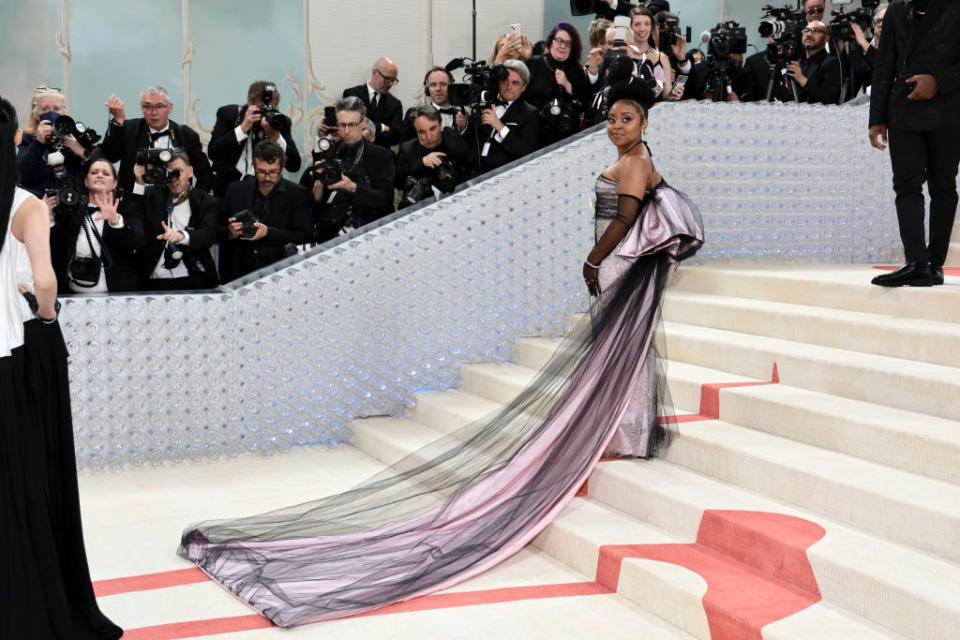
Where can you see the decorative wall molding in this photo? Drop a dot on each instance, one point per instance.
(63, 45)
(191, 114)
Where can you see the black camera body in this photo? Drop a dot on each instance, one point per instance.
(67, 196)
(155, 162)
(561, 114)
(669, 29)
(64, 126)
(482, 86)
(173, 253)
(248, 218)
(840, 25)
(270, 111)
(726, 38)
(325, 154)
(781, 23)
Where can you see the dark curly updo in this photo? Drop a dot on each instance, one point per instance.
(634, 90)
(8, 163)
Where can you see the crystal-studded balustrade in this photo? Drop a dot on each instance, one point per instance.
(290, 355)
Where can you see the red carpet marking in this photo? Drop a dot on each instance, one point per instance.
(197, 628)
(148, 582)
(767, 578)
(947, 271)
(432, 602)
(710, 399)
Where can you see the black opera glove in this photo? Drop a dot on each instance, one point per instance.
(627, 211)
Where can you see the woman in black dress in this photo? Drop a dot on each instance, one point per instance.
(44, 579)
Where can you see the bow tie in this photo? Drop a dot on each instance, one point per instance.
(449, 111)
(160, 134)
(500, 103)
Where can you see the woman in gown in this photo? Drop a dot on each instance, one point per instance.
(461, 505)
(44, 577)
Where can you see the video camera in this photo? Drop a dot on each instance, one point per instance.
(840, 25)
(726, 38)
(781, 23)
(154, 161)
(669, 29)
(481, 87)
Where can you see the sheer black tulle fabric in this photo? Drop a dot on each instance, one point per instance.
(461, 504)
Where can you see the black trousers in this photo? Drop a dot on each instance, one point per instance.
(931, 157)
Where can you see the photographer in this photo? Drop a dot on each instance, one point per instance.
(609, 9)
(817, 75)
(154, 130)
(352, 179)
(689, 79)
(915, 101)
(240, 128)
(383, 109)
(510, 127)
(439, 158)
(38, 143)
(262, 218)
(436, 85)
(558, 86)
(93, 243)
(864, 54)
(179, 226)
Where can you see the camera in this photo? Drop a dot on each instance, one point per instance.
(669, 29)
(326, 154)
(276, 120)
(482, 86)
(248, 219)
(66, 126)
(726, 38)
(66, 194)
(781, 23)
(446, 177)
(173, 254)
(562, 114)
(155, 162)
(840, 25)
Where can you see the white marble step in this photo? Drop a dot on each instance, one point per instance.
(577, 534)
(834, 286)
(909, 591)
(894, 336)
(953, 255)
(903, 384)
(910, 509)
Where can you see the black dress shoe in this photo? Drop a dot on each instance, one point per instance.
(936, 274)
(912, 274)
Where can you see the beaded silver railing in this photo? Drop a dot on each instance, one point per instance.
(290, 355)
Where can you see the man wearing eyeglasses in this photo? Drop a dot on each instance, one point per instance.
(817, 75)
(914, 104)
(263, 217)
(154, 130)
(383, 109)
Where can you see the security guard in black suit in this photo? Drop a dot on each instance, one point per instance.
(914, 103)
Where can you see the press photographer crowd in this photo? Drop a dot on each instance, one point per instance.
(146, 208)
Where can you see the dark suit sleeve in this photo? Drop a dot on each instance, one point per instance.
(580, 83)
(293, 160)
(378, 195)
(201, 166)
(204, 234)
(130, 237)
(225, 211)
(522, 138)
(884, 69)
(113, 142)
(824, 87)
(223, 141)
(301, 221)
(404, 165)
(30, 163)
(393, 118)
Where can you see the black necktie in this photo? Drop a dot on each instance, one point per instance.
(374, 100)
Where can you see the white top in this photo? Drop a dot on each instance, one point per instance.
(15, 270)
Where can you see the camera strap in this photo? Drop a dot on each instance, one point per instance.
(105, 258)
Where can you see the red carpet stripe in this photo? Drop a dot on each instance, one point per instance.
(947, 271)
(436, 601)
(149, 582)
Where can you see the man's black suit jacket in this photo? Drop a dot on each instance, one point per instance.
(225, 151)
(524, 123)
(604, 11)
(122, 244)
(202, 229)
(929, 46)
(411, 153)
(389, 112)
(121, 142)
(287, 218)
(823, 79)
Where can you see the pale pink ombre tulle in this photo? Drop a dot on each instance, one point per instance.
(468, 501)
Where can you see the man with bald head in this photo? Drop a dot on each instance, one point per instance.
(817, 74)
(383, 110)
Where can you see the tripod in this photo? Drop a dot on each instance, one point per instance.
(778, 57)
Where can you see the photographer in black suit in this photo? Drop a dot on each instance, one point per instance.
(262, 218)
(180, 227)
(818, 74)
(438, 158)
(352, 181)
(510, 128)
(384, 110)
(915, 101)
(154, 130)
(240, 127)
